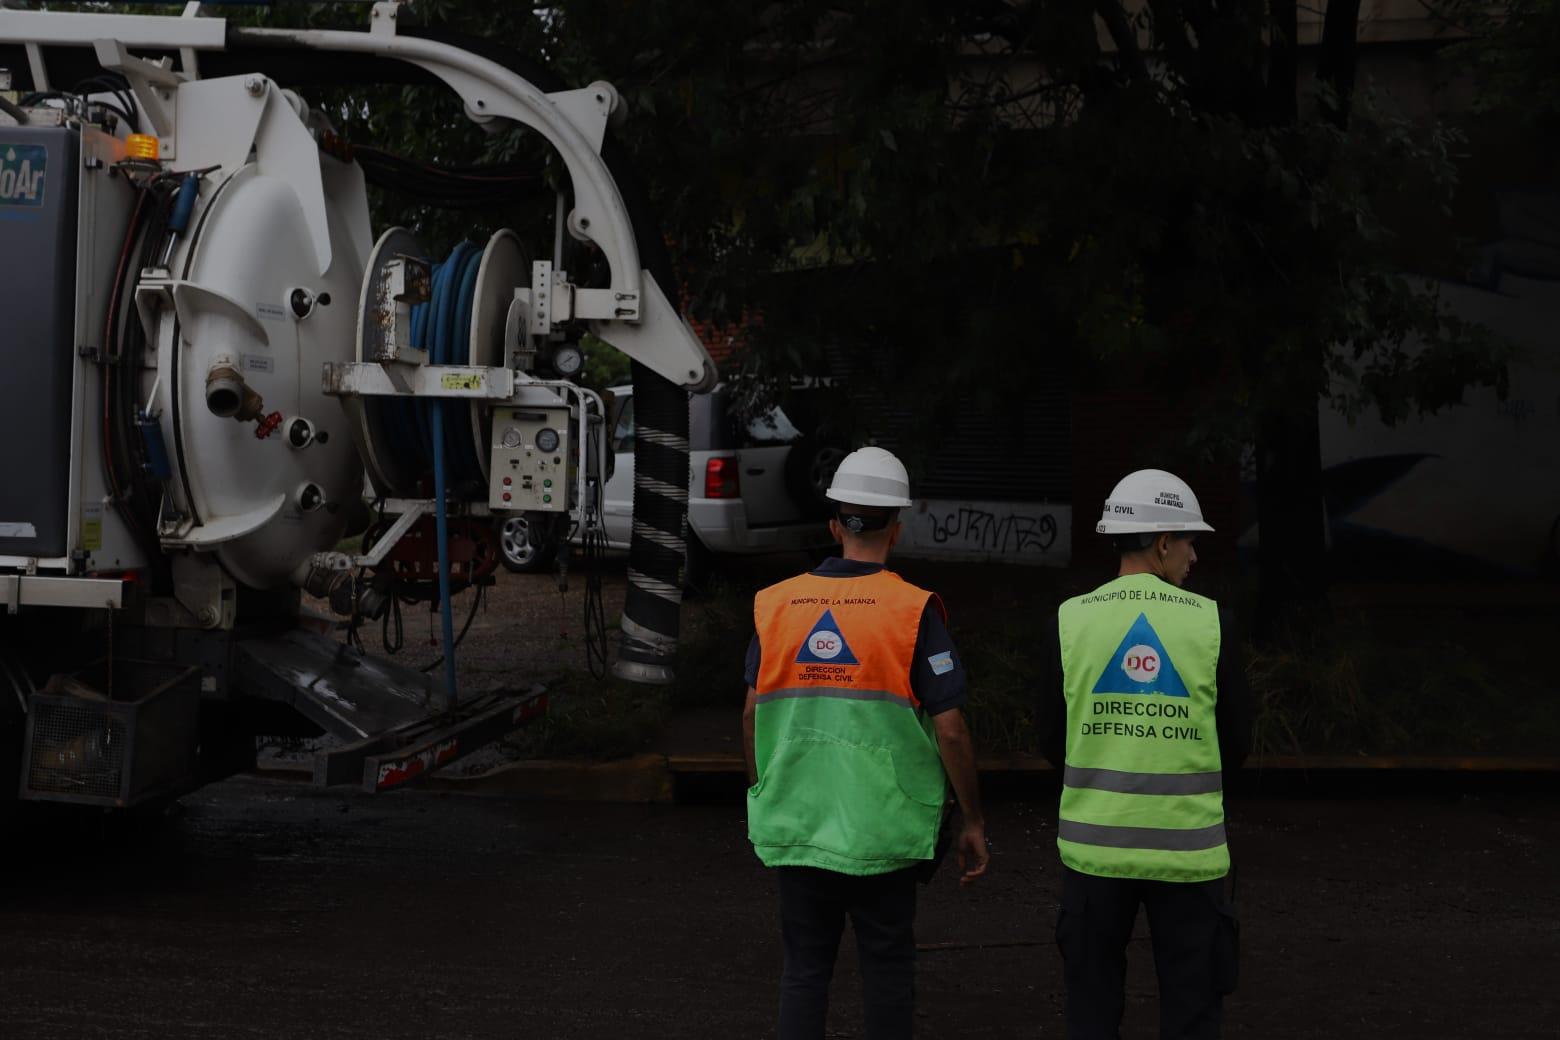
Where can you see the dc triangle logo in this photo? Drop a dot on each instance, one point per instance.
(1141, 665)
(825, 645)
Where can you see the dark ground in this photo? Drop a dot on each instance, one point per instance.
(271, 910)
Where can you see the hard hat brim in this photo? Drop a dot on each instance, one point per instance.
(867, 498)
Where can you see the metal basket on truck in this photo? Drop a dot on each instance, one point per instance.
(113, 734)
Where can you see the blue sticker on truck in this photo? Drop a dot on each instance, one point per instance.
(22, 168)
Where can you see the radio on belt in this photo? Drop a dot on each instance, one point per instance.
(531, 460)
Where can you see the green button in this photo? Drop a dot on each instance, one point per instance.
(547, 483)
(546, 498)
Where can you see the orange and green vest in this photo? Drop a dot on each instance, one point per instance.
(849, 776)
(1143, 789)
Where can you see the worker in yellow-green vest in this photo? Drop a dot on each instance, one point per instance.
(1144, 708)
(853, 733)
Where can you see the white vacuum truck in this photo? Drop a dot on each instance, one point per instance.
(205, 349)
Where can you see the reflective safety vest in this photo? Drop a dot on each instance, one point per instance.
(849, 776)
(1143, 790)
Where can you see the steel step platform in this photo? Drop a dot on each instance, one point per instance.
(394, 724)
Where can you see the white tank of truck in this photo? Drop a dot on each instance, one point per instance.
(217, 367)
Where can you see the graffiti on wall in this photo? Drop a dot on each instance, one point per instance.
(1016, 532)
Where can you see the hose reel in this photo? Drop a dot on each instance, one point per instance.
(455, 312)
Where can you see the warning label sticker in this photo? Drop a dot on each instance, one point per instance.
(461, 381)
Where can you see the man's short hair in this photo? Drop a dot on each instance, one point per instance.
(865, 519)
(1131, 543)
(1140, 540)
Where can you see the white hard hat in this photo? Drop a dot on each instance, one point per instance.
(871, 477)
(1150, 501)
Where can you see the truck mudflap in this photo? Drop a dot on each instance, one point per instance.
(395, 725)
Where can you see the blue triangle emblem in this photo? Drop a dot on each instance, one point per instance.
(825, 644)
(1141, 665)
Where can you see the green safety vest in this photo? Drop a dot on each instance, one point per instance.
(849, 774)
(1143, 790)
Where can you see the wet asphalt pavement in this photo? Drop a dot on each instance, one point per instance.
(266, 909)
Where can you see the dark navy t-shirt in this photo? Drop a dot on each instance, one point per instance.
(938, 687)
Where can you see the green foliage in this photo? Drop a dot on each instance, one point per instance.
(598, 719)
(426, 122)
(604, 366)
(903, 178)
(1510, 50)
(1003, 664)
(1427, 681)
(956, 190)
(713, 645)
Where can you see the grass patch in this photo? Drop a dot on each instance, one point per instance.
(1423, 682)
(1004, 660)
(1408, 679)
(714, 646)
(587, 717)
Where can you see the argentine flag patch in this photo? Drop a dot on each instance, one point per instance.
(941, 663)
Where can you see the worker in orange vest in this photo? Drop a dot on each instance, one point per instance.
(853, 733)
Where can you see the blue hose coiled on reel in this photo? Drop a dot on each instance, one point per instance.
(442, 327)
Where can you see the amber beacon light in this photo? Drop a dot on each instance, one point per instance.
(141, 146)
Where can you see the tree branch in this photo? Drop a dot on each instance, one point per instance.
(1283, 63)
(1124, 37)
(1340, 33)
(1170, 31)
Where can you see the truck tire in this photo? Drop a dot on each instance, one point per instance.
(809, 469)
(519, 551)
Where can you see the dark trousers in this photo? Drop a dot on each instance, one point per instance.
(813, 907)
(1194, 934)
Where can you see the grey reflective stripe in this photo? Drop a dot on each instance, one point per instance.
(1143, 783)
(867, 482)
(1149, 513)
(831, 691)
(1141, 837)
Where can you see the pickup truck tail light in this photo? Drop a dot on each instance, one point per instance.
(720, 479)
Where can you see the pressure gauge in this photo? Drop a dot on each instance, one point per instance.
(567, 361)
(511, 438)
(547, 439)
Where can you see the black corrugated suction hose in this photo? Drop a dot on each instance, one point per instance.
(657, 549)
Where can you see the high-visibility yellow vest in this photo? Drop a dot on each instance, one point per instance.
(1143, 790)
(849, 775)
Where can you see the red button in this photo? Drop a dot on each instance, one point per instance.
(506, 496)
(507, 482)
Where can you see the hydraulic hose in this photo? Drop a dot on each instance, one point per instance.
(446, 612)
(443, 327)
